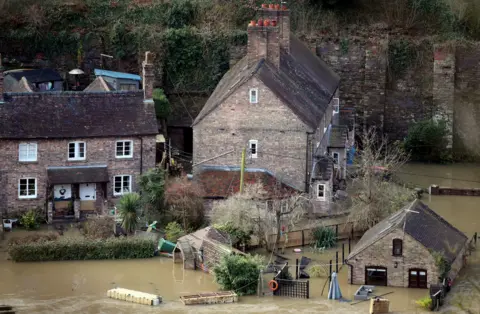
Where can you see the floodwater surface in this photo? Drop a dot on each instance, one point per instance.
(80, 287)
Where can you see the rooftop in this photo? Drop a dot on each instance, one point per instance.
(120, 75)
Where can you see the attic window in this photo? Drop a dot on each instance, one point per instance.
(336, 105)
(253, 95)
(321, 192)
(397, 247)
(253, 148)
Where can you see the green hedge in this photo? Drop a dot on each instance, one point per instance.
(83, 249)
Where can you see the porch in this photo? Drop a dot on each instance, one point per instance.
(76, 192)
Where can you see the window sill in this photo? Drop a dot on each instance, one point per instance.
(124, 158)
(76, 160)
(27, 198)
(28, 161)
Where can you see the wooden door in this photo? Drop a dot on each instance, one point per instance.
(417, 278)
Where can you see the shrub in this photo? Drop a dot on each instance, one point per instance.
(29, 220)
(83, 249)
(317, 271)
(162, 105)
(324, 237)
(99, 228)
(34, 237)
(173, 231)
(237, 235)
(426, 141)
(425, 302)
(239, 273)
(129, 211)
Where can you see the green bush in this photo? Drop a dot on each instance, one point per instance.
(162, 105)
(173, 231)
(239, 273)
(425, 302)
(34, 237)
(99, 228)
(237, 235)
(82, 249)
(426, 141)
(29, 220)
(324, 237)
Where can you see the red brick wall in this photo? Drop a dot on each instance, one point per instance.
(53, 153)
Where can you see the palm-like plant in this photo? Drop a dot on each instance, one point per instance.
(129, 211)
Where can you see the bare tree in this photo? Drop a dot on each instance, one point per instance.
(374, 195)
(253, 211)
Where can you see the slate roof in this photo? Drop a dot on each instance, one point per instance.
(221, 182)
(36, 75)
(323, 169)
(79, 174)
(303, 82)
(337, 136)
(120, 75)
(76, 114)
(427, 227)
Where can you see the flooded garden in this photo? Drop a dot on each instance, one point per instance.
(81, 286)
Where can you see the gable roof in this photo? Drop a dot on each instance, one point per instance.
(22, 86)
(303, 82)
(427, 227)
(99, 85)
(35, 75)
(223, 181)
(76, 114)
(119, 75)
(337, 136)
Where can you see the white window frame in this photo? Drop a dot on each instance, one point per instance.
(31, 152)
(123, 155)
(250, 143)
(321, 198)
(122, 187)
(336, 105)
(250, 93)
(77, 150)
(19, 189)
(336, 159)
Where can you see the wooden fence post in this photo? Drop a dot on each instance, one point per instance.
(296, 269)
(349, 246)
(330, 275)
(303, 238)
(336, 264)
(336, 231)
(343, 253)
(308, 289)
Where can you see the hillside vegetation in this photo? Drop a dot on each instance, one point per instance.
(193, 37)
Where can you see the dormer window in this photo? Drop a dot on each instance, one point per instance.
(397, 247)
(336, 105)
(253, 95)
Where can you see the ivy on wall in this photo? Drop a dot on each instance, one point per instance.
(401, 56)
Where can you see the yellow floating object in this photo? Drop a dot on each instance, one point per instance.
(134, 296)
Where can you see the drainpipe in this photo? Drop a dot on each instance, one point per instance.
(307, 156)
(351, 271)
(141, 155)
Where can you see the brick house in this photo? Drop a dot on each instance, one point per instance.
(74, 152)
(277, 102)
(398, 250)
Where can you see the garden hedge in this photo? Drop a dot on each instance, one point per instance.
(83, 249)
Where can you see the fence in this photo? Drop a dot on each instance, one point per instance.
(291, 288)
(304, 237)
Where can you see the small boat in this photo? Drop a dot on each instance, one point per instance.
(165, 246)
(210, 298)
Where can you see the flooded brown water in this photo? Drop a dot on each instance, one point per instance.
(80, 287)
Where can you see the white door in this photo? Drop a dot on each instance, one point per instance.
(61, 192)
(87, 192)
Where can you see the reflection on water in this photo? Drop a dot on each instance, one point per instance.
(80, 287)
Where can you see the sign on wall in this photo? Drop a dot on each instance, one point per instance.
(62, 191)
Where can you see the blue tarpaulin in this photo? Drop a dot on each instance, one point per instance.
(334, 292)
(350, 155)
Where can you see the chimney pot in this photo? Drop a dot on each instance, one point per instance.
(264, 6)
(271, 6)
(260, 22)
(274, 23)
(252, 23)
(266, 22)
(277, 6)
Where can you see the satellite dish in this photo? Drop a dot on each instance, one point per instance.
(76, 72)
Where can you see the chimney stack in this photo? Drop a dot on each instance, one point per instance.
(148, 77)
(269, 34)
(1, 80)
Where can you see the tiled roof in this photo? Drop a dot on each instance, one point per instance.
(76, 114)
(221, 182)
(337, 136)
(79, 174)
(422, 224)
(303, 82)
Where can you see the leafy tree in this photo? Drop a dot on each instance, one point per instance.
(162, 105)
(426, 141)
(152, 190)
(129, 211)
(374, 197)
(239, 273)
(173, 231)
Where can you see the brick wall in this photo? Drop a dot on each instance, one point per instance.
(54, 153)
(282, 137)
(379, 254)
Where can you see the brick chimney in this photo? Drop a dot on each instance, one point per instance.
(1, 80)
(269, 34)
(148, 77)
